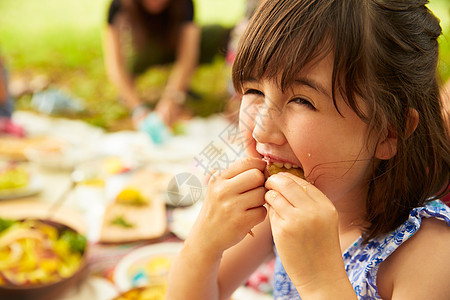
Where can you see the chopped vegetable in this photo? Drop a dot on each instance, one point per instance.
(5, 224)
(76, 241)
(132, 196)
(120, 221)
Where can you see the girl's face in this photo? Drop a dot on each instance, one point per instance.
(155, 6)
(302, 127)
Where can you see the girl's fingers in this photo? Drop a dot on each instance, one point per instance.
(242, 176)
(248, 180)
(242, 184)
(253, 198)
(293, 188)
(309, 189)
(277, 203)
(242, 165)
(256, 215)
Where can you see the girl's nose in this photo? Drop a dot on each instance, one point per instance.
(267, 125)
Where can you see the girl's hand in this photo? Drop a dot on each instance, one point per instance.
(305, 230)
(233, 206)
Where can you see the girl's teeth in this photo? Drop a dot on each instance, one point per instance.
(278, 164)
(285, 165)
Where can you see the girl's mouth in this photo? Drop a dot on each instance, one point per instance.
(277, 167)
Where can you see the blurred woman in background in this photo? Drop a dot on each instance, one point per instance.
(145, 33)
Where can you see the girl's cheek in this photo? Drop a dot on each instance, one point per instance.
(246, 126)
(247, 116)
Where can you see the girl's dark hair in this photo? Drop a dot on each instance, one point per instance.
(385, 52)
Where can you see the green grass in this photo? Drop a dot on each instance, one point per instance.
(61, 39)
(67, 33)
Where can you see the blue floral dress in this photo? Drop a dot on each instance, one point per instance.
(362, 261)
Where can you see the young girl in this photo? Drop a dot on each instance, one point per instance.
(346, 91)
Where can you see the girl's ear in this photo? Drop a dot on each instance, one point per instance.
(387, 145)
(412, 121)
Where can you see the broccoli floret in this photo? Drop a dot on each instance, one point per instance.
(5, 224)
(76, 241)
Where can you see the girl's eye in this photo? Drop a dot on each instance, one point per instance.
(253, 92)
(303, 101)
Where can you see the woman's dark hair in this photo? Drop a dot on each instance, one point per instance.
(385, 52)
(165, 25)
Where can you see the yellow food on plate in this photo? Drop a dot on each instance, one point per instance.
(13, 177)
(132, 196)
(153, 292)
(115, 165)
(159, 266)
(273, 168)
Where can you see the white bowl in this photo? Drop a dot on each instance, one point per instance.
(56, 154)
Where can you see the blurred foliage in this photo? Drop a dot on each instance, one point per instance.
(441, 8)
(61, 40)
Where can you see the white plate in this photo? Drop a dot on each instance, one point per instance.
(123, 273)
(184, 218)
(33, 187)
(58, 153)
(93, 287)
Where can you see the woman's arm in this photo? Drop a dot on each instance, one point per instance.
(180, 77)
(116, 69)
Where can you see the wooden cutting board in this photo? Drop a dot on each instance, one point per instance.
(147, 221)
